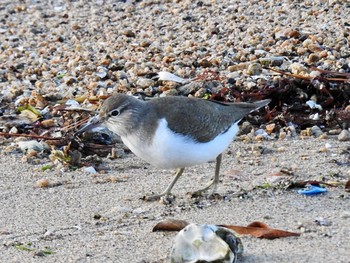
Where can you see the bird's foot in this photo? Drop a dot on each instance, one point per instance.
(204, 191)
(165, 198)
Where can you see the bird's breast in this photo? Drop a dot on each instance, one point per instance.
(169, 150)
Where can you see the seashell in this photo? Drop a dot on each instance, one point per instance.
(313, 105)
(163, 75)
(90, 170)
(101, 72)
(72, 103)
(30, 145)
(206, 243)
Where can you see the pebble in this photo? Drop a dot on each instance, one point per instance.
(316, 131)
(270, 128)
(30, 145)
(43, 183)
(344, 135)
(254, 69)
(145, 83)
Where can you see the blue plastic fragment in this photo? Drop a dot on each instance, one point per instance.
(312, 190)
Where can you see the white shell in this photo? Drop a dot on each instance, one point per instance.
(164, 75)
(206, 243)
(313, 105)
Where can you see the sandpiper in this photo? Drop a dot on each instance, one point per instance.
(173, 132)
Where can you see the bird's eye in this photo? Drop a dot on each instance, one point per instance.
(114, 113)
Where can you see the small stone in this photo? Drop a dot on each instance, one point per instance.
(30, 145)
(301, 51)
(306, 133)
(313, 57)
(205, 63)
(145, 83)
(292, 33)
(334, 131)
(69, 80)
(292, 131)
(145, 43)
(43, 183)
(190, 88)
(323, 136)
(129, 33)
(315, 48)
(344, 135)
(259, 137)
(31, 153)
(316, 131)
(270, 128)
(281, 149)
(282, 135)
(48, 123)
(240, 66)
(200, 93)
(271, 61)
(254, 69)
(171, 92)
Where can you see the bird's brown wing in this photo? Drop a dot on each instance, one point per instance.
(201, 120)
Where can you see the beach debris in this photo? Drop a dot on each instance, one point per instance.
(260, 230)
(256, 229)
(347, 186)
(313, 105)
(322, 221)
(170, 225)
(312, 190)
(206, 243)
(90, 170)
(164, 75)
(42, 183)
(32, 145)
(344, 136)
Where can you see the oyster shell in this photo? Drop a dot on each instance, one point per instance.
(206, 243)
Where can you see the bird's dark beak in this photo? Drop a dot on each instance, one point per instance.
(92, 123)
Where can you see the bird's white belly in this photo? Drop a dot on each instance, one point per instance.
(170, 150)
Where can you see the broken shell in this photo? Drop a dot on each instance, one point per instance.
(313, 105)
(163, 75)
(206, 243)
(30, 145)
(101, 72)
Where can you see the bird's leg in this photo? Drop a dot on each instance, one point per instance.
(167, 191)
(214, 182)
